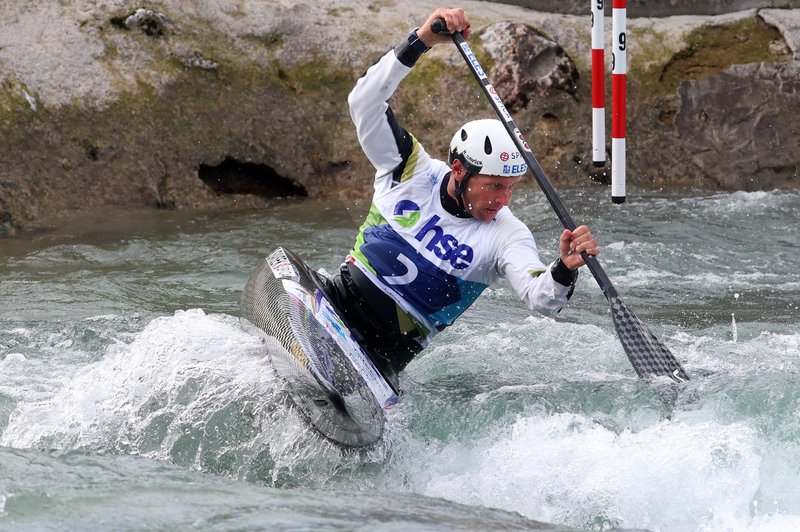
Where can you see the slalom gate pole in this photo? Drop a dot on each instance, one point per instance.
(619, 73)
(598, 86)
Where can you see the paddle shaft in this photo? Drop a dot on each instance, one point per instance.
(547, 187)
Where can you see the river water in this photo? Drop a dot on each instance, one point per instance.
(132, 396)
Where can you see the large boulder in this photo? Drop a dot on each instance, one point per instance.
(526, 64)
(741, 128)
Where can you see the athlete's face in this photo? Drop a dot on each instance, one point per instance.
(484, 195)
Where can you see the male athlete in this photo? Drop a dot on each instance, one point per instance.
(437, 234)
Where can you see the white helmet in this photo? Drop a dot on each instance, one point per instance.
(484, 147)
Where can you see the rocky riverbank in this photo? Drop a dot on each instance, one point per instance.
(219, 104)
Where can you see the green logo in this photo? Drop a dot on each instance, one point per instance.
(408, 221)
(406, 213)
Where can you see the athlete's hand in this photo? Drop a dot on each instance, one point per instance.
(573, 243)
(455, 19)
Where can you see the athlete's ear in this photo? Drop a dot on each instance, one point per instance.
(458, 170)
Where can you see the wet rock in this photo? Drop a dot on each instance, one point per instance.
(196, 60)
(740, 127)
(150, 22)
(8, 225)
(788, 23)
(526, 64)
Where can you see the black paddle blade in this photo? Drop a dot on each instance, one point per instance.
(649, 357)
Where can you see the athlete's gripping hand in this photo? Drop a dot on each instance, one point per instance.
(573, 243)
(455, 19)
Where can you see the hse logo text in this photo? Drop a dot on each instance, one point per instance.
(444, 246)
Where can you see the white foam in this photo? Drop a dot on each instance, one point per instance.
(194, 389)
(105, 399)
(567, 469)
(730, 203)
(12, 360)
(762, 353)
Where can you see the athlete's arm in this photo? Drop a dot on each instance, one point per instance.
(387, 145)
(544, 289)
(381, 138)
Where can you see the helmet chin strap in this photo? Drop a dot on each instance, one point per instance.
(460, 186)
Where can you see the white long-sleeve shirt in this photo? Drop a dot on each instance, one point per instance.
(432, 263)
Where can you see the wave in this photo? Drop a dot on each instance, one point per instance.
(194, 389)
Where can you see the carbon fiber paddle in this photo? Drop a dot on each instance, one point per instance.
(648, 355)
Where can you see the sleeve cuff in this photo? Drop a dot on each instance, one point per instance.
(408, 51)
(563, 275)
(406, 54)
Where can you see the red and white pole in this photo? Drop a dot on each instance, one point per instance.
(598, 86)
(619, 76)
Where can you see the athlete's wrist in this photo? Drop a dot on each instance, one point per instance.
(562, 274)
(410, 50)
(418, 41)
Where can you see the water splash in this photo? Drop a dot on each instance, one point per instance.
(568, 468)
(194, 389)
